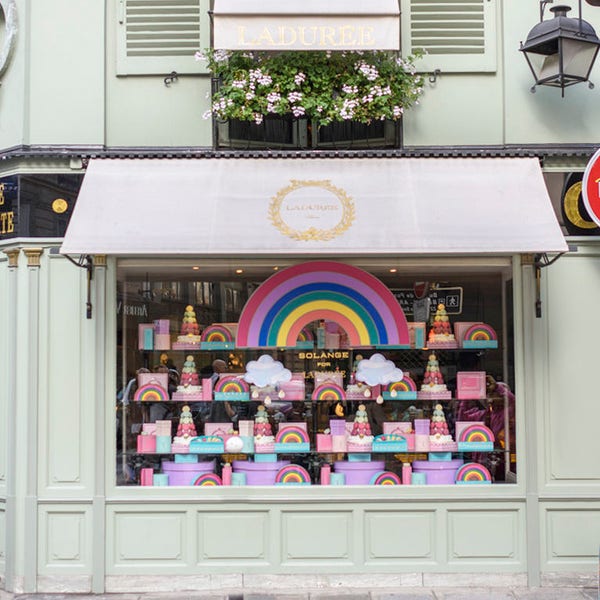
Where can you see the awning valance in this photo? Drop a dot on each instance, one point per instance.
(312, 206)
(309, 25)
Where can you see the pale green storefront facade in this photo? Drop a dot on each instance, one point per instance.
(66, 526)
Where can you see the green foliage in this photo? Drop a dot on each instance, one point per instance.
(322, 86)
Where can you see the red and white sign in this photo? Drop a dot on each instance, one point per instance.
(590, 187)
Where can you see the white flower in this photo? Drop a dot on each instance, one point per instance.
(298, 111)
(240, 84)
(299, 78)
(294, 97)
(200, 56)
(258, 118)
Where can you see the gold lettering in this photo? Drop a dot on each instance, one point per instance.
(366, 36)
(241, 35)
(347, 35)
(327, 36)
(7, 224)
(1, 194)
(265, 37)
(292, 36)
(302, 35)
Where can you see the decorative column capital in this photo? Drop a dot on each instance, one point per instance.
(13, 257)
(99, 260)
(33, 256)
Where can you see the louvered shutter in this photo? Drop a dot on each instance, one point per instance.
(160, 36)
(457, 35)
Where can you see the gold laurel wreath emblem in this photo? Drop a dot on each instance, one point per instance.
(312, 233)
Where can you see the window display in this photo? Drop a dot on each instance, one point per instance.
(316, 375)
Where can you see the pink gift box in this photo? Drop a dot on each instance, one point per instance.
(146, 476)
(322, 377)
(324, 442)
(149, 428)
(220, 429)
(161, 379)
(163, 427)
(338, 443)
(295, 388)
(207, 389)
(337, 426)
(162, 341)
(264, 448)
(470, 385)
(246, 427)
(146, 443)
(180, 448)
(332, 340)
(300, 425)
(393, 427)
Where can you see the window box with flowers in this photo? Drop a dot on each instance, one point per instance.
(337, 95)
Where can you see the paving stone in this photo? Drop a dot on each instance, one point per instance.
(339, 595)
(544, 593)
(404, 594)
(474, 593)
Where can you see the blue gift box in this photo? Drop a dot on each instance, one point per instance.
(265, 458)
(233, 396)
(475, 446)
(296, 448)
(207, 444)
(217, 345)
(186, 458)
(390, 442)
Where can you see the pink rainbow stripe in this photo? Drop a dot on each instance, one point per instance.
(283, 282)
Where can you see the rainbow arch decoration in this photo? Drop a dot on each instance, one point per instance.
(385, 478)
(207, 479)
(329, 391)
(406, 389)
(292, 474)
(476, 437)
(216, 337)
(151, 392)
(292, 439)
(480, 335)
(292, 298)
(473, 472)
(306, 339)
(230, 387)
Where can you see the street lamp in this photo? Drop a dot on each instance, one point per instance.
(561, 51)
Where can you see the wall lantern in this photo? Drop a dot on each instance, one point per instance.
(561, 51)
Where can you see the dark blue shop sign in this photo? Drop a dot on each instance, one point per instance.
(37, 205)
(9, 201)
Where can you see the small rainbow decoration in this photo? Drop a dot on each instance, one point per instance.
(216, 333)
(385, 478)
(292, 435)
(328, 391)
(207, 479)
(476, 433)
(292, 474)
(406, 388)
(480, 335)
(151, 393)
(292, 298)
(229, 384)
(306, 335)
(473, 473)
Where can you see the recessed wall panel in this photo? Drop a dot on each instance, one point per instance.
(234, 537)
(573, 534)
(481, 535)
(399, 535)
(317, 536)
(150, 537)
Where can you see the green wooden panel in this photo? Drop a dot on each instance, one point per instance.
(484, 535)
(151, 537)
(406, 535)
(235, 536)
(312, 535)
(65, 540)
(573, 534)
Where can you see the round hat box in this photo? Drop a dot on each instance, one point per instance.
(441, 472)
(186, 473)
(259, 473)
(359, 472)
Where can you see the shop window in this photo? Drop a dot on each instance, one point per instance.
(457, 36)
(273, 410)
(160, 36)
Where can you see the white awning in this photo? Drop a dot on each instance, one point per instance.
(309, 25)
(295, 206)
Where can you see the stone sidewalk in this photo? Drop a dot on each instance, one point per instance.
(475, 593)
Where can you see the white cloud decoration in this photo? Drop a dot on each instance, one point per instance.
(378, 370)
(266, 371)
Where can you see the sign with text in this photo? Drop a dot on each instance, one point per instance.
(312, 25)
(590, 188)
(9, 204)
(451, 297)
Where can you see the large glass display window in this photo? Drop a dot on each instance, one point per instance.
(281, 372)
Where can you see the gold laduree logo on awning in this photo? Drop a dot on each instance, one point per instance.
(309, 210)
